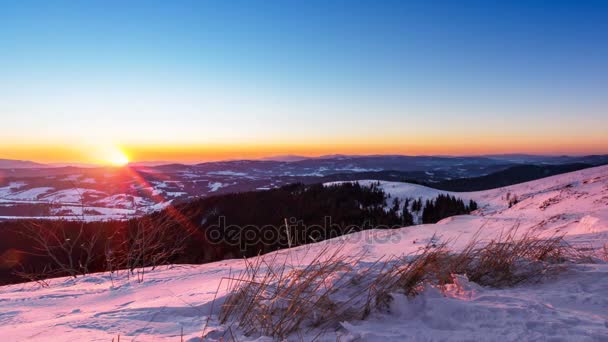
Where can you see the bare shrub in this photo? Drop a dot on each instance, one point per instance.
(30, 274)
(76, 248)
(69, 251)
(150, 242)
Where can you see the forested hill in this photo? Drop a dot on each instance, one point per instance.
(510, 176)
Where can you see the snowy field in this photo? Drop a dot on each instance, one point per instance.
(176, 303)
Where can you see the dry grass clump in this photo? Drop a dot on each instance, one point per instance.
(275, 299)
(278, 299)
(509, 260)
(604, 253)
(407, 275)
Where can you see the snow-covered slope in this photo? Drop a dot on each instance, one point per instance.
(571, 306)
(575, 204)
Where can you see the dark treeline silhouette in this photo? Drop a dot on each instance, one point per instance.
(248, 223)
(417, 205)
(209, 229)
(445, 206)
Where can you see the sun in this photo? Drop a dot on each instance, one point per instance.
(118, 158)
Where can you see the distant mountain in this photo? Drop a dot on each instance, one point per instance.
(513, 175)
(540, 159)
(152, 163)
(20, 164)
(80, 165)
(286, 158)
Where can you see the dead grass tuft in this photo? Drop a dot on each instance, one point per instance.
(510, 260)
(274, 299)
(278, 299)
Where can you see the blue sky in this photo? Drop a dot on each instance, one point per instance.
(421, 77)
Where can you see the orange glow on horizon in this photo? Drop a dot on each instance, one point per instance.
(192, 153)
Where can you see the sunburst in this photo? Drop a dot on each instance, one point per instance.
(117, 158)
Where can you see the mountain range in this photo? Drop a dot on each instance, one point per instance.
(99, 193)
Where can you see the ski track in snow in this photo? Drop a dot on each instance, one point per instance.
(569, 306)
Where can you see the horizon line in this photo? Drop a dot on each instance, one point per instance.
(297, 157)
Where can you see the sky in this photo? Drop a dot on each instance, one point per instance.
(205, 80)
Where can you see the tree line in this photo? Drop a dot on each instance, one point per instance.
(208, 229)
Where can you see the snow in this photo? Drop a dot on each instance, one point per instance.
(404, 191)
(106, 216)
(68, 203)
(72, 178)
(160, 185)
(191, 175)
(215, 186)
(311, 174)
(227, 173)
(77, 210)
(10, 188)
(176, 193)
(553, 204)
(567, 306)
(124, 201)
(29, 194)
(356, 169)
(74, 195)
